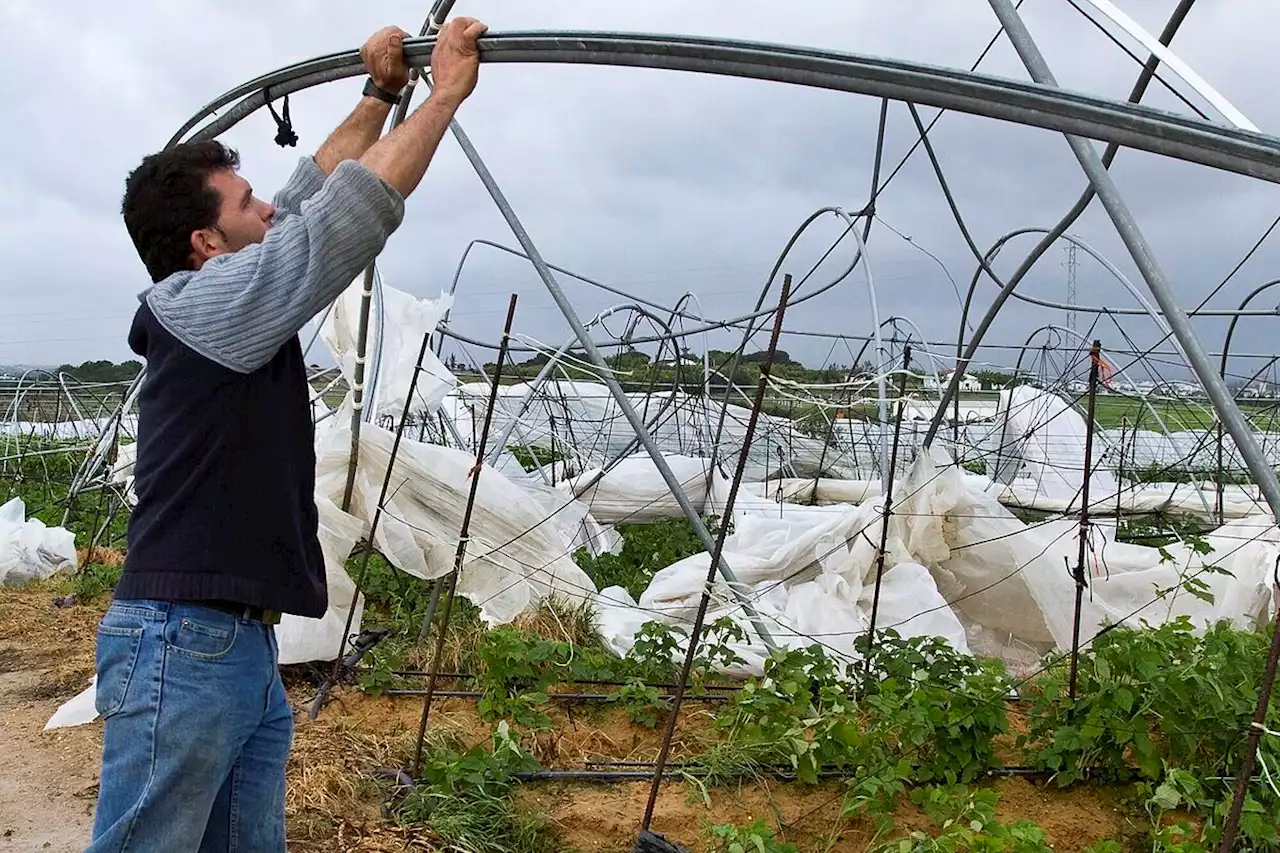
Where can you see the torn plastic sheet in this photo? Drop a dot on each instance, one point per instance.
(29, 549)
(957, 565)
(809, 571)
(515, 558)
(405, 319)
(301, 639)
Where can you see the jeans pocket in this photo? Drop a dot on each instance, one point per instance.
(201, 640)
(116, 660)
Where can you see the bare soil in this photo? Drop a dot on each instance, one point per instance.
(48, 781)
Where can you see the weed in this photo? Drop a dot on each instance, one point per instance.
(94, 580)
(642, 702)
(466, 799)
(646, 548)
(759, 837)
(967, 820)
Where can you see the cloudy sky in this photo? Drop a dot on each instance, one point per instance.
(656, 182)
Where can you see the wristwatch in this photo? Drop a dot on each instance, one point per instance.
(373, 90)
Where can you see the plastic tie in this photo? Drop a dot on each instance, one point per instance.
(285, 137)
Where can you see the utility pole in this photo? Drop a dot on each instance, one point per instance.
(1071, 285)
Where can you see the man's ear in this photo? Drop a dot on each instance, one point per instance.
(205, 244)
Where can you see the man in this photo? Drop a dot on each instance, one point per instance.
(224, 535)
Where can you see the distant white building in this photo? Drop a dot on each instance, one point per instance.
(968, 382)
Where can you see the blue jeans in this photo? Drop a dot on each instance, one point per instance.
(198, 730)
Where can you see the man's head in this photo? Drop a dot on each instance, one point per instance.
(188, 204)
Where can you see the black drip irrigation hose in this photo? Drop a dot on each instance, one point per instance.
(676, 771)
(552, 697)
(657, 685)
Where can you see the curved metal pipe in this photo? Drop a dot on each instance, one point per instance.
(1037, 105)
(751, 328)
(1140, 85)
(1231, 327)
(544, 373)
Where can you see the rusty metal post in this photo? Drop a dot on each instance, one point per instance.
(461, 553)
(323, 693)
(1095, 356)
(694, 634)
(1245, 773)
(888, 501)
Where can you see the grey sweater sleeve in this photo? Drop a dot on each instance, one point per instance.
(241, 307)
(306, 181)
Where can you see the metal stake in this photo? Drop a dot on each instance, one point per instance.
(1245, 774)
(888, 501)
(1124, 430)
(606, 375)
(463, 536)
(717, 553)
(1095, 356)
(323, 693)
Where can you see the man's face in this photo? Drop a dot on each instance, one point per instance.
(243, 219)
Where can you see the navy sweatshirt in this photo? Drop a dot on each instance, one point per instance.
(225, 472)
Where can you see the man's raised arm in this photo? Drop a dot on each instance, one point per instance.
(241, 306)
(383, 56)
(400, 158)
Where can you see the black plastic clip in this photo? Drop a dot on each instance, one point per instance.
(284, 126)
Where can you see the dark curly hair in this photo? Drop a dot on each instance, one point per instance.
(167, 197)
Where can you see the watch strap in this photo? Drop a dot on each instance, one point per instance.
(373, 90)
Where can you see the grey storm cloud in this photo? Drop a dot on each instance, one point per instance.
(656, 182)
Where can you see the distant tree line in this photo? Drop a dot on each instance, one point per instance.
(102, 371)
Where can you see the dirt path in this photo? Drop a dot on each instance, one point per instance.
(48, 784)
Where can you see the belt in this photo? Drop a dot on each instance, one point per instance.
(243, 611)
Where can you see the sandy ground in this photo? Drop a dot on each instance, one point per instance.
(49, 780)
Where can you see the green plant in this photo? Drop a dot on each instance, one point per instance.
(714, 652)
(944, 707)
(518, 667)
(799, 715)
(759, 837)
(1147, 699)
(515, 677)
(652, 656)
(94, 580)
(968, 823)
(465, 798)
(642, 702)
(646, 548)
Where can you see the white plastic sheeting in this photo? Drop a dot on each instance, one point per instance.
(515, 557)
(77, 711)
(301, 639)
(633, 491)
(809, 571)
(1048, 435)
(29, 549)
(957, 565)
(405, 320)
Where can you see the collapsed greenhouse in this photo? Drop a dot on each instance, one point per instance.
(1007, 521)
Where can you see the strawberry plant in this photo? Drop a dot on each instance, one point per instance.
(1147, 697)
(943, 708)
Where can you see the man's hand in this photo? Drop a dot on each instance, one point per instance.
(383, 56)
(455, 61)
